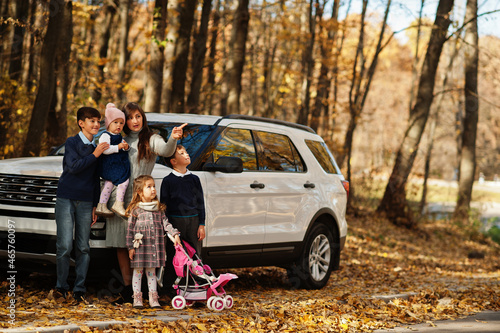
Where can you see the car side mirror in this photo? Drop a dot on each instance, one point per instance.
(225, 164)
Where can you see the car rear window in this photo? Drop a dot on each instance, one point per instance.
(323, 156)
(277, 153)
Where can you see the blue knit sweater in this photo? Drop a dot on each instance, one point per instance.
(183, 196)
(79, 180)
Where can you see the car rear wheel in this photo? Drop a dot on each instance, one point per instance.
(314, 267)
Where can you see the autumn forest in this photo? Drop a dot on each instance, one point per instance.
(413, 103)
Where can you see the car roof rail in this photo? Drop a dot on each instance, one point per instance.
(268, 120)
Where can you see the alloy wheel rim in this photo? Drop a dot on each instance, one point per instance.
(319, 257)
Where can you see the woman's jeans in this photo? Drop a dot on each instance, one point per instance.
(77, 215)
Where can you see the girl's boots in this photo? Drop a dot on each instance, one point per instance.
(118, 208)
(138, 300)
(153, 300)
(102, 210)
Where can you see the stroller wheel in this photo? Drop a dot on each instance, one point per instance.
(218, 304)
(228, 302)
(210, 301)
(178, 302)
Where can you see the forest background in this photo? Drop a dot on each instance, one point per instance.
(391, 105)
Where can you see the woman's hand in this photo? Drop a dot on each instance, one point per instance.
(177, 240)
(131, 254)
(177, 131)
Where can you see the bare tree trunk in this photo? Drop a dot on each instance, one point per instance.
(253, 63)
(252, 107)
(173, 23)
(181, 58)
(324, 82)
(354, 90)
(15, 70)
(273, 69)
(270, 91)
(394, 202)
(110, 10)
(57, 125)
(29, 75)
(211, 59)
(428, 154)
(87, 34)
(434, 122)
(32, 145)
(4, 35)
(468, 158)
(459, 130)
(198, 61)
(308, 64)
(17, 48)
(123, 45)
(332, 109)
(416, 60)
(237, 54)
(154, 73)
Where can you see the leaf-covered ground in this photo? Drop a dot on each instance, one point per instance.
(448, 273)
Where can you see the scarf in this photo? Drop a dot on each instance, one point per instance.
(149, 206)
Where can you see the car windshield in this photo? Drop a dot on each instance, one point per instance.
(193, 138)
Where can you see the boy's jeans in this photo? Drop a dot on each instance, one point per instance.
(78, 215)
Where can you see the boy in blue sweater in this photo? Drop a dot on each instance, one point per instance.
(181, 191)
(77, 197)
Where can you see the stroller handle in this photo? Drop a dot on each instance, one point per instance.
(171, 237)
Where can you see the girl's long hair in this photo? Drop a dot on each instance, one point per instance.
(139, 184)
(143, 148)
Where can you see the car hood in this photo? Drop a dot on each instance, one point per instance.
(48, 166)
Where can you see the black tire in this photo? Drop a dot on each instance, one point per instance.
(314, 266)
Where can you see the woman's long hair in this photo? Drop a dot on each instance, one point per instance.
(143, 147)
(138, 188)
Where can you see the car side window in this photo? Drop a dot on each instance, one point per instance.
(277, 153)
(323, 156)
(237, 143)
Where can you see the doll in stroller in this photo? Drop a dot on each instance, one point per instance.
(196, 282)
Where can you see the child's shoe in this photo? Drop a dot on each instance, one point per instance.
(138, 300)
(153, 300)
(102, 210)
(118, 208)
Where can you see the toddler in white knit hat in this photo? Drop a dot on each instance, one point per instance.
(114, 166)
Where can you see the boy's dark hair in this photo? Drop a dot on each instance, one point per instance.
(167, 160)
(86, 112)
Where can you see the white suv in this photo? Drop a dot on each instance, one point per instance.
(274, 196)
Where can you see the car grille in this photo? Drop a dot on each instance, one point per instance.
(28, 190)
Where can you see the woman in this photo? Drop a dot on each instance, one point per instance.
(145, 146)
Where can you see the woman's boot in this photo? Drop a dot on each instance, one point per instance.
(125, 296)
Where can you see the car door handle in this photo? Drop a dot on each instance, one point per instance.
(256, 184)
(309, 185)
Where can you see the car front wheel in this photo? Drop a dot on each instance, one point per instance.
(314, 267)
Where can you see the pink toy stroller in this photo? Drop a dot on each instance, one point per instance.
(196, 282)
